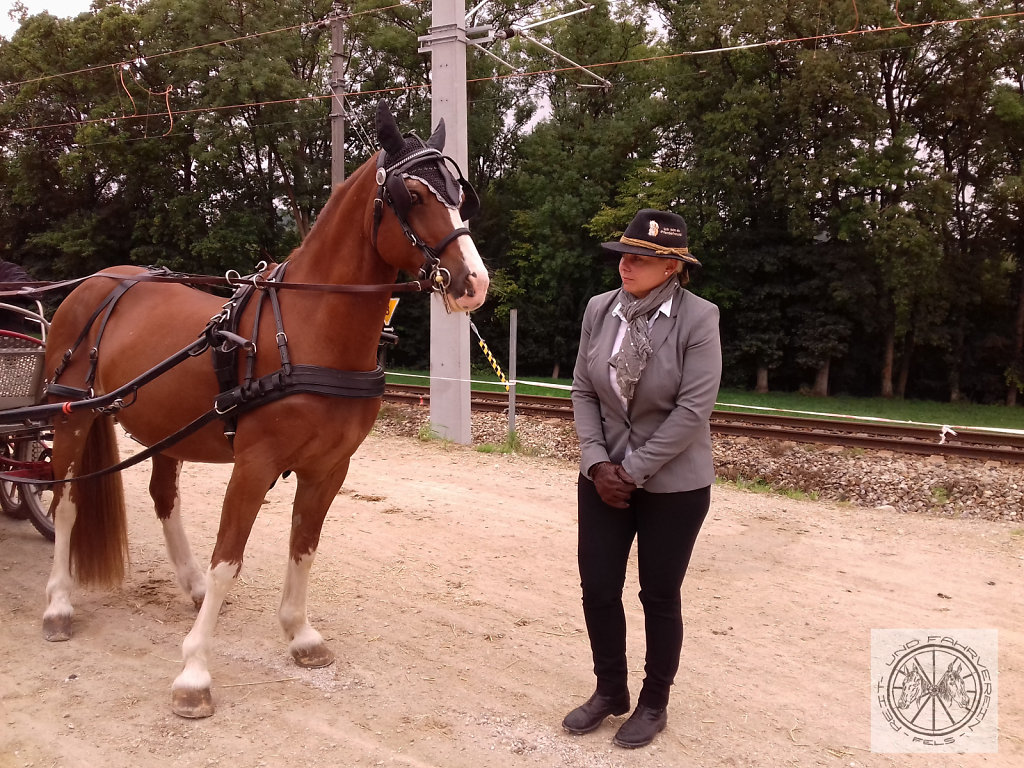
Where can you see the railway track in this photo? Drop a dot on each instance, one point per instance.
(964, 443)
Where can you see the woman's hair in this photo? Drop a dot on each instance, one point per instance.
(683, 273)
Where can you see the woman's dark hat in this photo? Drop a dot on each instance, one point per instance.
(655, 233)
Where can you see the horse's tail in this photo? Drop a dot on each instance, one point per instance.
(99, 539)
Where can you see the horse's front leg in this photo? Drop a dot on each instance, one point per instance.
(164, 489)
(190, 692)
(312, 500)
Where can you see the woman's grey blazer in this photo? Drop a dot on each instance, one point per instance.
(667, 425)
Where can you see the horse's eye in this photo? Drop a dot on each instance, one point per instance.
(415, 197)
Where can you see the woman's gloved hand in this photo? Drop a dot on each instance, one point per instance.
(614, 485)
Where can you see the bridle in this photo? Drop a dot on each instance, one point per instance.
(391, 191)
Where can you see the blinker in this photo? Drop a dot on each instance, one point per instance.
(428, 166)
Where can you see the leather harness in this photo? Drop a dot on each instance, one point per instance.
(222, 339)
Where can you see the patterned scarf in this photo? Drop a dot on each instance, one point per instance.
(631, 359)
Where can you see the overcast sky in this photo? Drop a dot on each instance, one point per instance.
(56, 7)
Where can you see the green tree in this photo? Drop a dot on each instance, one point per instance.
(570, 166)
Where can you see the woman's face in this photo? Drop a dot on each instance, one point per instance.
(642, 274)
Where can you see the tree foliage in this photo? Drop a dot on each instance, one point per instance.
(852, 179)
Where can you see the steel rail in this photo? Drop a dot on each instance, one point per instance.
(965, 443)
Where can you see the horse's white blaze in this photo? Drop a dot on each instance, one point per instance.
(195, 649)
(190, 575)
(292, 613)
(60, 583)
(479, 280)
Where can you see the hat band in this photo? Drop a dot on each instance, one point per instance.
(659, 249)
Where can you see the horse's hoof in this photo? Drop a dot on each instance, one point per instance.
(198, 603)
(57, 629)
(313, 656)
(192, 703)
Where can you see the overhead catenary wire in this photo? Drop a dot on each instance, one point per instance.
(240, 38)
(903, 26)
(761, 44)
(321, 22)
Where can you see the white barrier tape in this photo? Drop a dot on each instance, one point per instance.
(564, 387)
(427, 378)
(946, 428)
(517, 382)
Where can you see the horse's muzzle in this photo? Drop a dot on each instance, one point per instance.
(473, 293)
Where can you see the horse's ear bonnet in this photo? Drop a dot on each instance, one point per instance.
(410, 157)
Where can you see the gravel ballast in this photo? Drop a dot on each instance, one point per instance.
(881, 479)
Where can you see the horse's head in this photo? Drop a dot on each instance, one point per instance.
(421, 201)
(913, 688)
(952, 688)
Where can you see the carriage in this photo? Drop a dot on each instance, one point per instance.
(25, 448)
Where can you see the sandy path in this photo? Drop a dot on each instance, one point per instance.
(446, 584)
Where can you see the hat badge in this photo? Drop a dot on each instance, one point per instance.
(652, 229)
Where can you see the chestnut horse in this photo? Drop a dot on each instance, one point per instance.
(403, 212)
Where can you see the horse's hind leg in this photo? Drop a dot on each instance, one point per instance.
(66, 456)
(83, 444)
(59, 612)
(164, 488)
(312, 500)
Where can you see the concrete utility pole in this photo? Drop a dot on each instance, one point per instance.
(337, 91)
(449, 334)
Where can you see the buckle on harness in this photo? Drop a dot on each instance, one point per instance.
(233, 405)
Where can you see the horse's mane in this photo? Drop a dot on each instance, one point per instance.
(338, 194)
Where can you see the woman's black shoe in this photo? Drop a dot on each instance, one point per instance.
(589, 716)
(643, 725)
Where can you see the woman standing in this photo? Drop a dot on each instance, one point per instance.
(645, 383)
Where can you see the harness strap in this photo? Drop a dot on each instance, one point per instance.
(438, 249)
(304, 379)
(225, 355)
(131, 461)
(106, 305)
(94, 353)
(282, 337)
(83, 401)
(226, 358)
(39, 287)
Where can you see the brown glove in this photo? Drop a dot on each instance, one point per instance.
(614, 485)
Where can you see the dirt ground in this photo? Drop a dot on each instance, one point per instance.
(446, 583)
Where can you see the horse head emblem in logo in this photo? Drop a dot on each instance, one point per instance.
(653, 229)
(951, 688)
(914, 688)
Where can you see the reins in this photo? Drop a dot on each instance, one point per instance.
(229, 404)
(109, 403)
(38, 287)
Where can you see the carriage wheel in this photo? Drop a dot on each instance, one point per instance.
(10, 493)
(35, 499)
